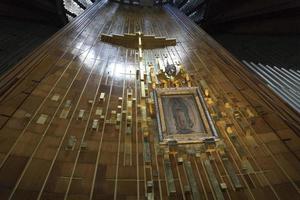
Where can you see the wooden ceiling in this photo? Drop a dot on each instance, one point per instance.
(253, 16)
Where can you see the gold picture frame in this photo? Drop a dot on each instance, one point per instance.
(183, 116)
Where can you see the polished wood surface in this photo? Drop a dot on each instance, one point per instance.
(50, 149)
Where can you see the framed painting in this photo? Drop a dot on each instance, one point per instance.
(182, 115)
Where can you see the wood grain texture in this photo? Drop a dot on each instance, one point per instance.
(261, 151)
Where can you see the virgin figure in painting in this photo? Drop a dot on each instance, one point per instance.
(181, 116)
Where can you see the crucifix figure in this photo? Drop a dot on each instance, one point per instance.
(170, 76)
(138, 40)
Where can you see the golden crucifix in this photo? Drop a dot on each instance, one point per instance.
(140, 41)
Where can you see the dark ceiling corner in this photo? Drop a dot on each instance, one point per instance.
(255, 16)
(43, 11)
(252, 16)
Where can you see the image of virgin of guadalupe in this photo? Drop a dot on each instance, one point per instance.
(181, 116)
